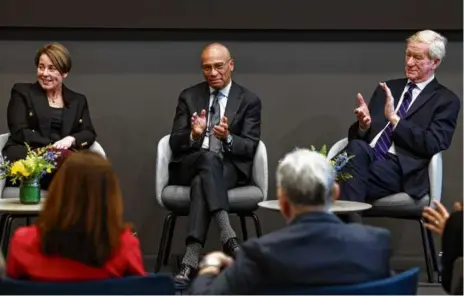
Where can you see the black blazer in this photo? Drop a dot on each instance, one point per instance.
(29, 119)
(243, 112)
(314, 249)
(427, 129)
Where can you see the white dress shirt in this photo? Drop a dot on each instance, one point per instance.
(415, 93)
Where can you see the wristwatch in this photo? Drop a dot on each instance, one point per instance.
(229, 140)
(209, 261)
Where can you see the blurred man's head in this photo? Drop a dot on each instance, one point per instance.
(305, 182)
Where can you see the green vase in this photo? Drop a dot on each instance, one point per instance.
(29, 191)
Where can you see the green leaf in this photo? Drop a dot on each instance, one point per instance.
(324, 150)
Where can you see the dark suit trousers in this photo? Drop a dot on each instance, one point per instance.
(209, 177)
(372, 179)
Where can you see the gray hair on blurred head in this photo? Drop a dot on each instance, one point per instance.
(307, 178)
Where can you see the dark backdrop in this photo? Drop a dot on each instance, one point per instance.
(307, 82)
(237, 14)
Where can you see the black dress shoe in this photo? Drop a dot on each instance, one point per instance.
(185, 275)
(231, 247)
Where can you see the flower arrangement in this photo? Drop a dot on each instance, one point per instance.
(37, 163)
(338, 162)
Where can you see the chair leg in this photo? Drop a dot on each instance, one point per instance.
(257, 224)
(163, 242)
(435, 261)
(2, 226)
(425, 246)
(244, 227)
(171, 227)
(6, 237)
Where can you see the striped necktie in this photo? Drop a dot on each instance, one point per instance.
(384, 142)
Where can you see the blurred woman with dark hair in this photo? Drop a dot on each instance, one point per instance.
(80, 233)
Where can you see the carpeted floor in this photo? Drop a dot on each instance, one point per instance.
(430, 289)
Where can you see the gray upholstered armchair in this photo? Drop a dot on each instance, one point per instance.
(243, 201)
(402, 206)
(13, 192)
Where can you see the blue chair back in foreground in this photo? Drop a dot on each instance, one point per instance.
(404, 283)
(153, 284)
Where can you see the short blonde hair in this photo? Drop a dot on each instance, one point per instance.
(436, 42)
(58, 54)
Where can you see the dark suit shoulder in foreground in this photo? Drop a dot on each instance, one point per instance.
(314, 249)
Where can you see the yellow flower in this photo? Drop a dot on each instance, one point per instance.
(18, 167)
(49, 170)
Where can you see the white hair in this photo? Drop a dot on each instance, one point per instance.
(306, 177)
(437, 43)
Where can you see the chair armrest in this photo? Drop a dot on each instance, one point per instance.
(260, 171)
(3, 140)
(97, 148)
(163, 157)
(337, 148)
(436, 176)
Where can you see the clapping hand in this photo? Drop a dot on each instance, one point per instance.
(389, 111)
(198, 123)
(221, 131)
(362, 113)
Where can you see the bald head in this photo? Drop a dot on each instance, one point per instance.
(215, 49)
(217, 65)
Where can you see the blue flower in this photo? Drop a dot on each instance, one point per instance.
(49, 156)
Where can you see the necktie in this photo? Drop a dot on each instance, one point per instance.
(215, 144)
(385, 141)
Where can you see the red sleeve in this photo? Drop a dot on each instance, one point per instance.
(133, 255)
(14, 267)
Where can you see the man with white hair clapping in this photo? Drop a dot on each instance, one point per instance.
(315, 248)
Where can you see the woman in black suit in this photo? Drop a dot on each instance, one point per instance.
(47, 112)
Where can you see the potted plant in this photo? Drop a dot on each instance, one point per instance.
(29, 171)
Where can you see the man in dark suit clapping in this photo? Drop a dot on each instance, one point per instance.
(407, 121)
(214, 137)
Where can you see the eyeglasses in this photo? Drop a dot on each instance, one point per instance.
(216, 66)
